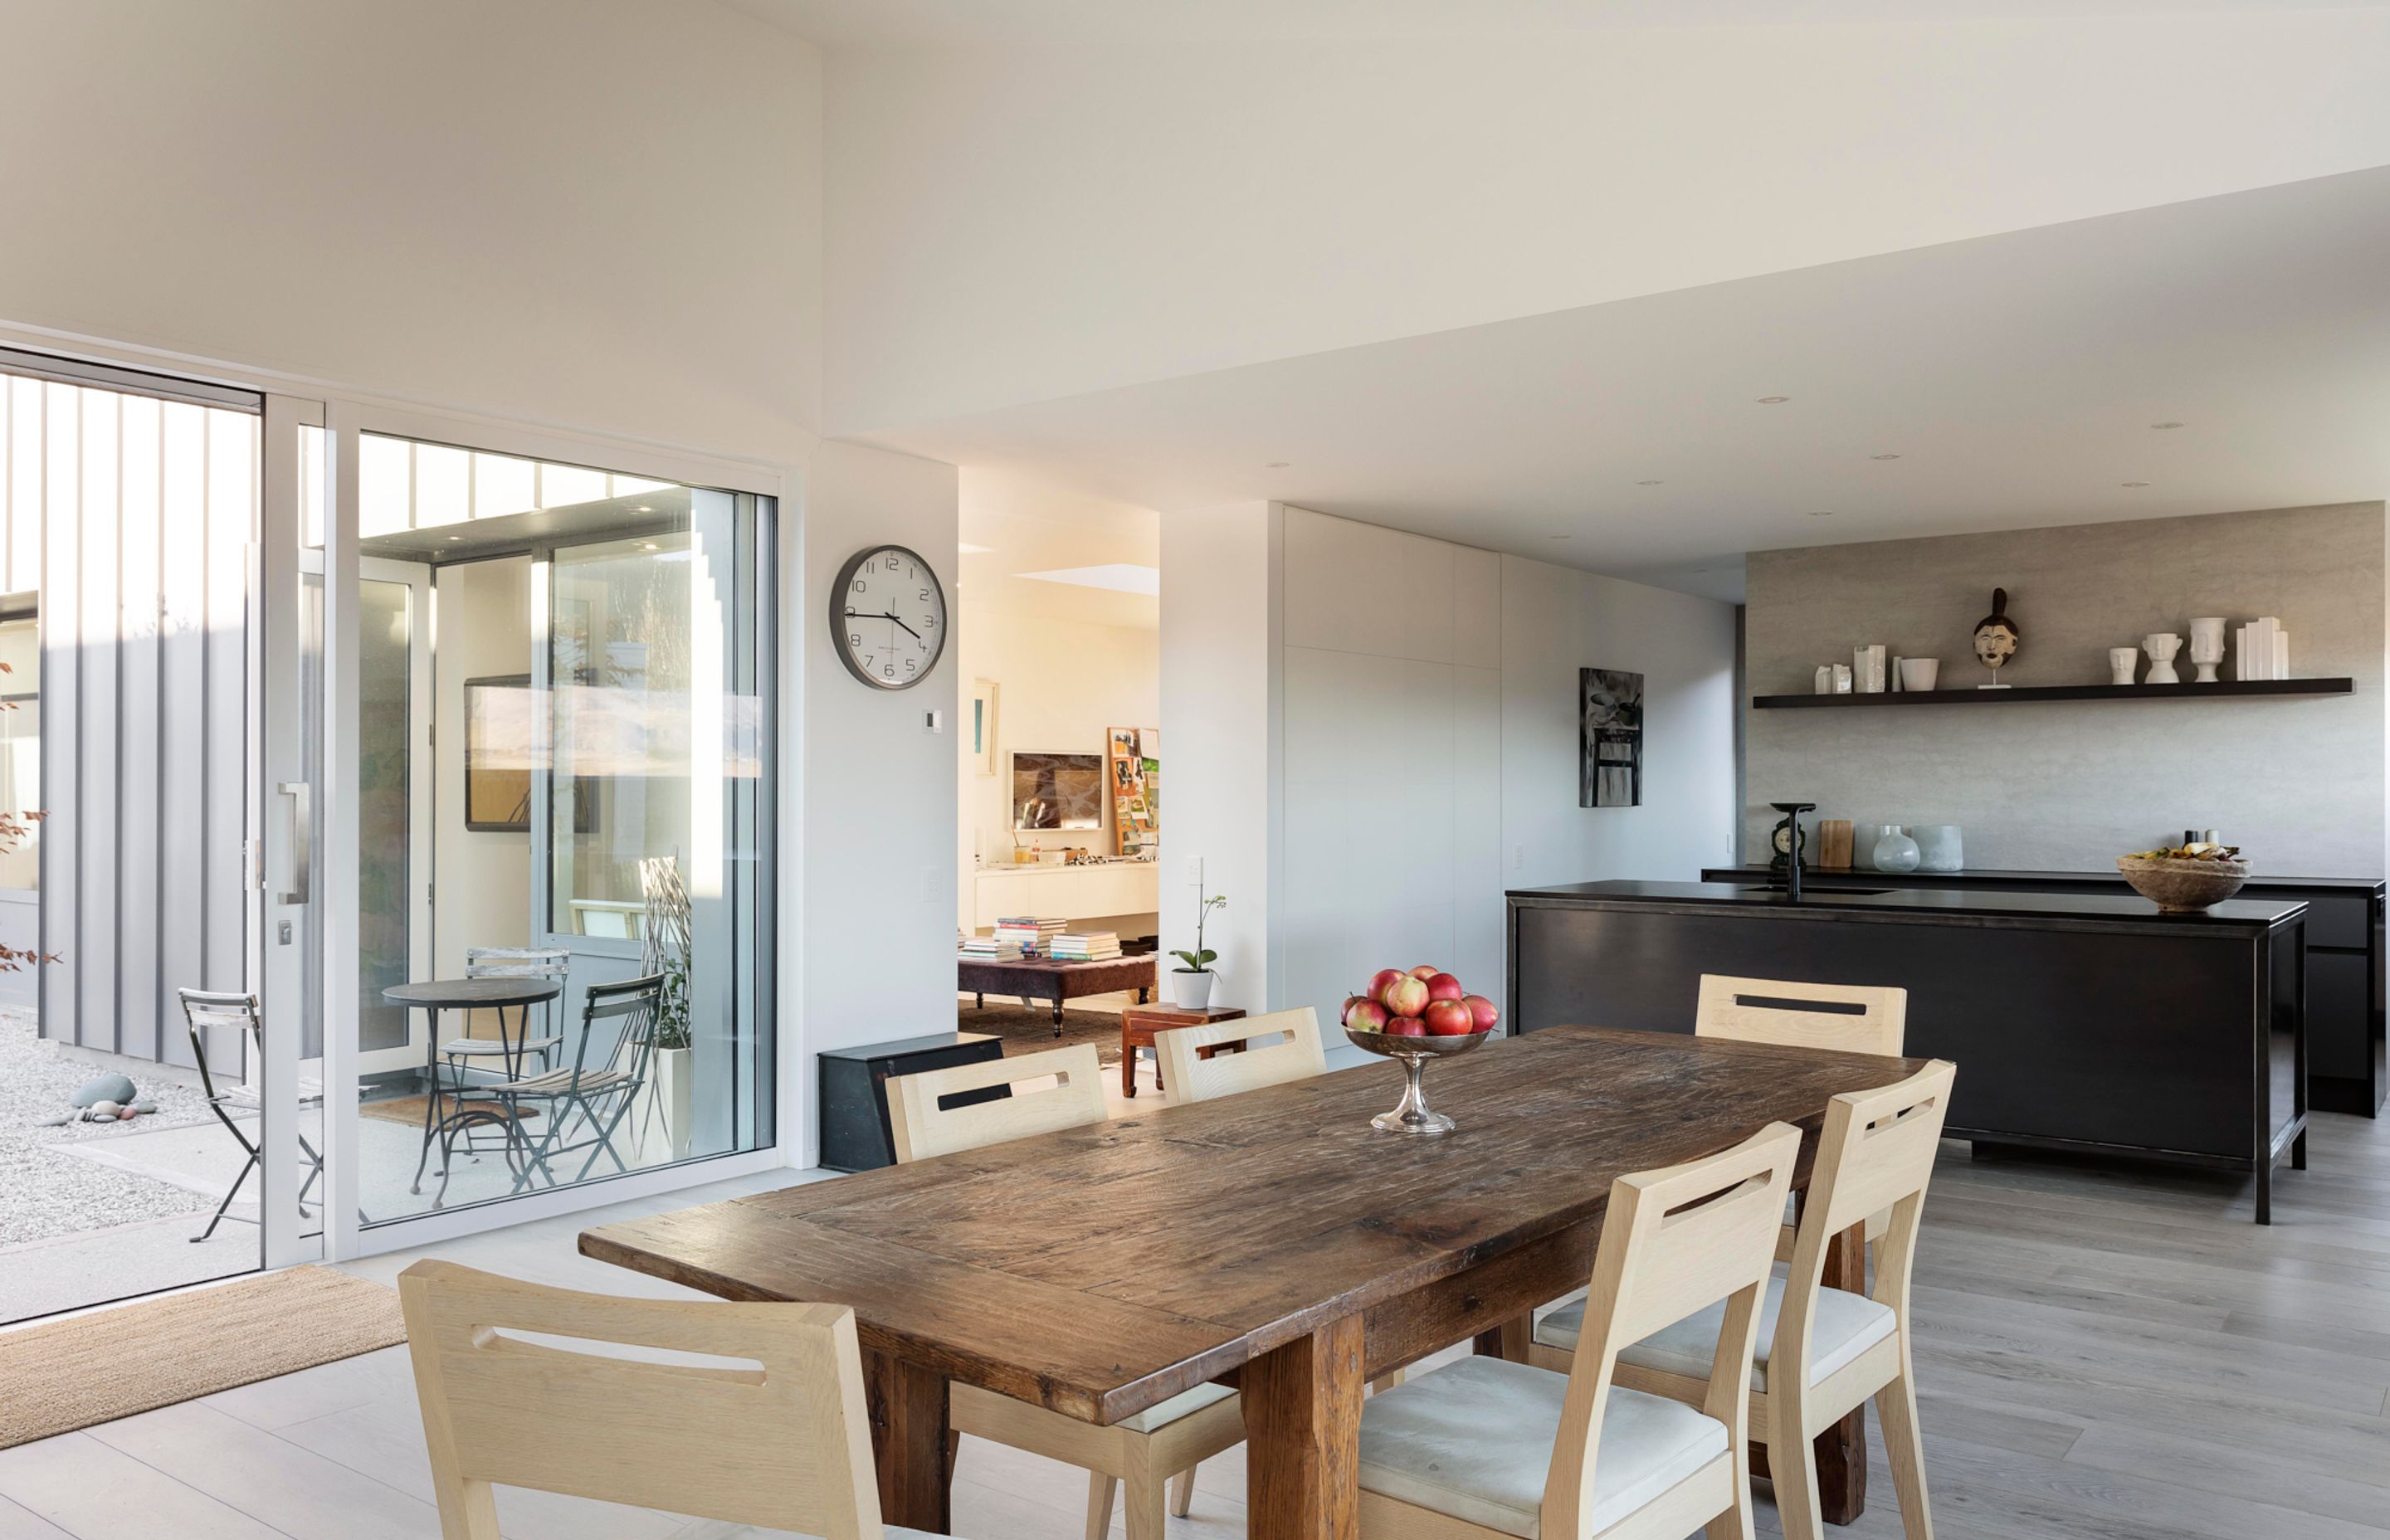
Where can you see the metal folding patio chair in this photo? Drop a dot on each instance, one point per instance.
(610, 1064)
(507, 1055)
(203, 1008)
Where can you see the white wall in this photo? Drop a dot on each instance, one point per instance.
(1392, 759)
(484, 876)
(875, 837)
(1555, 620)
(1220, 714)
(598, 213)
(991, 202)
(1407, 750)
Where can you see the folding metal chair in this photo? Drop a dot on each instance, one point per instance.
(203, 1008)
(610, 1064)
(509, 1054)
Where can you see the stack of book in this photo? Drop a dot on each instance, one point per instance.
(1086, 946)
(1028, 932)
(2261, 651)
(988, 949)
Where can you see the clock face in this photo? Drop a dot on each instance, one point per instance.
(1784, 838)
(888, 618)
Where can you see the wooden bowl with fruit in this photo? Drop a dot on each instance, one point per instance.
(1412, 1017)
(2185, 879)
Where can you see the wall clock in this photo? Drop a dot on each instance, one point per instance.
(888, 617)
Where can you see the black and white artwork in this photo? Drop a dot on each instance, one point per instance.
(1610, 739)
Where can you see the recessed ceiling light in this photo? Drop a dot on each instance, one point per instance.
(1773, 401)
(455, 538)
(2137, 483)
(1883, 457)
(1646, 484)
(648, 546)
(2166, 425)
(643, 508)
(1277, 464)
(1556, 537)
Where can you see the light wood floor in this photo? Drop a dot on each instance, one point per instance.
(2105, 1355)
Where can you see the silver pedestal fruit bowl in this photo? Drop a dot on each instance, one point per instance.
(1411, 1114)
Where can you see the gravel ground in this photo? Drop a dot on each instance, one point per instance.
(44, 1193)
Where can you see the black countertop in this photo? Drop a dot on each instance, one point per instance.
(2238, 913)
(2110, 877)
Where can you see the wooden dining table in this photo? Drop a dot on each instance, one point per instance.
(1273, 1240)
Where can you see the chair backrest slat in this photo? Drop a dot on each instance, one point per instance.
(1674, 1242)
(1188, 1076)
(637, 1005)
(924, 1128)
(1851, 1018)
(786, 1445)
(517, 962)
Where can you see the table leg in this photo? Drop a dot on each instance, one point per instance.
(1058, 1015)
(1128, 1066)
(1842, 1449)
(1302, 1436)
(431, 1099)
(1511, 1340)
(911, 1446)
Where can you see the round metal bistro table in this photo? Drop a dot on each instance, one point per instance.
(433, 995)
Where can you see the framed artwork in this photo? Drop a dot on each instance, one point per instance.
(1610, 739)
(501, 751)
(981, 724)
(1136, 821)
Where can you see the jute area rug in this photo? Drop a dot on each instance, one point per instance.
(1027, 1031)
(71, 1374)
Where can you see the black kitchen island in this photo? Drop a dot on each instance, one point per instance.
(2079, 1022)
(2347, 1070)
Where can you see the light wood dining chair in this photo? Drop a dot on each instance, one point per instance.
(1844, 1018)
(1159, 1447)
(1192, 1077)
(1848, 1018)
(1485, 1447)
(1877, 1151)
(783, 1446)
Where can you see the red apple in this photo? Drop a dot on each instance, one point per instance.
(1482, 1010)
(1379, 980)
(1406, 1026)
(1362, 1014)
(1404, 996)
(1447, 1018)
(1444, 986)
(1425, 970)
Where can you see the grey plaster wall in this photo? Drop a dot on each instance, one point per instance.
(2298, 782)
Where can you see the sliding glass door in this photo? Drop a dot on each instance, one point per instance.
(558, 814)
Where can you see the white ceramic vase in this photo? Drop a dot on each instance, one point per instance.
(2207, 647)
(2162, 647)
(1938, 849)
(2122, 663)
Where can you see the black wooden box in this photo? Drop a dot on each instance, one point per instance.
(856, 1135)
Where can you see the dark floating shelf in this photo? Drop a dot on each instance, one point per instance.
(2018, 694)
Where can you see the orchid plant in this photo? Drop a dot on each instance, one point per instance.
(1200, 959)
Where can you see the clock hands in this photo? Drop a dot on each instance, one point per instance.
(883, 615)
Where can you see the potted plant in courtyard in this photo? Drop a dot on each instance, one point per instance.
(662, 1117)
(1191, 985)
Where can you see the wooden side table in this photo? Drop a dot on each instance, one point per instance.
(1138, 1023)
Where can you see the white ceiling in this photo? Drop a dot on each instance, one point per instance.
(1023, 523)
(849, 24)
(2016, 376)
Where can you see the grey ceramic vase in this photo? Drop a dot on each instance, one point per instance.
(1895, 852)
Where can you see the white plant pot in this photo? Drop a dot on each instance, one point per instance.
(659, 1120)
(1191, 991)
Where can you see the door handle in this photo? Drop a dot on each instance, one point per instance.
(303, 839)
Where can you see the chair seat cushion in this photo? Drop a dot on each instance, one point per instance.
(1473, 1440)
(1185, 1403)
(1847, 1326)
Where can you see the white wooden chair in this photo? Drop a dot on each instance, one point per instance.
(1162, 1444)
(1877, 1151)
(1486, 1448)
(1843, 1017)
(787, 1446)
(1192, 1077)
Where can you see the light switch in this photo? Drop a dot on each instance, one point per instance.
(1194, 871)
(933, 722)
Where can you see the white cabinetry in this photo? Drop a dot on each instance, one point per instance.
(1075, 893)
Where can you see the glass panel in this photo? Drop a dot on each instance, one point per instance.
(595, 781)
(20, 793)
